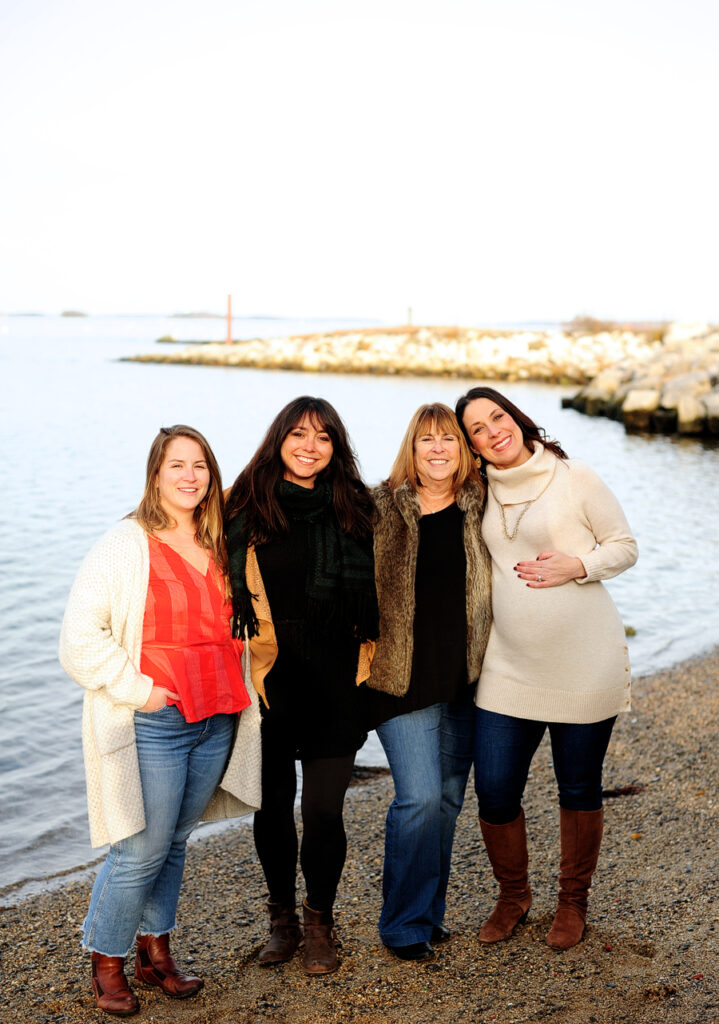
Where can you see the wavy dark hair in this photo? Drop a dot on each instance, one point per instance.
(530, 431)
(254, 492)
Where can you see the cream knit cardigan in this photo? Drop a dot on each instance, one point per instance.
(100, 648)
(556, 654)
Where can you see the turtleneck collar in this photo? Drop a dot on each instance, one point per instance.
(523, 483)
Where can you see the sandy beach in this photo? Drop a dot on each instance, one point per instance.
(650, 951)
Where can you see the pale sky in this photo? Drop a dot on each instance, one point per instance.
(477, 160)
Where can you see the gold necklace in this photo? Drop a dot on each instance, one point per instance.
(507, 534)
(445, 501)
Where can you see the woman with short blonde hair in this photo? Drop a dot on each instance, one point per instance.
(433, 586)
(404, 468)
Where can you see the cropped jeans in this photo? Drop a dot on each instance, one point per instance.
(504, 749)
(138, 886)
(430, 755)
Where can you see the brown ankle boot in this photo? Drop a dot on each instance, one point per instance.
(109, 984)
(155, 966)
(285, 934)
(507, 851)
(320, 956)
(581, 837)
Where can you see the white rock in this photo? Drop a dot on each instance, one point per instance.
(691, 415)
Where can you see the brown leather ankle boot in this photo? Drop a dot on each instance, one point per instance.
(285, 934)
(581, 837)
(507, 851)
(154, 965)
(109, 984)
(320, 956)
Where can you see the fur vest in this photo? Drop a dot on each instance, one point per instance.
(396, 539)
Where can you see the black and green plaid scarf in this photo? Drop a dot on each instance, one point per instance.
(340, 572)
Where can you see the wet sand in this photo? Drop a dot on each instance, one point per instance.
(650, 952)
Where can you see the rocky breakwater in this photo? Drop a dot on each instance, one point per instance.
(568, 356)
(671, 387)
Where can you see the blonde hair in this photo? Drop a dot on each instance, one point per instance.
(208, 515)
(438, 418)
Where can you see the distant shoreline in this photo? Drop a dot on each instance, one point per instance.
(562, 356)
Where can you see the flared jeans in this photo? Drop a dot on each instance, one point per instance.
(138, 886)
(430, 754)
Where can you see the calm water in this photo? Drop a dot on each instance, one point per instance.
(77, 424)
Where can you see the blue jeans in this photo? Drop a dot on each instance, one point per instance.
(430, 754)
(138, 886)
(503, 752)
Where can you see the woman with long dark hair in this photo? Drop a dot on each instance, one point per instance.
(300, 555)
(147, 634)
(557, 656)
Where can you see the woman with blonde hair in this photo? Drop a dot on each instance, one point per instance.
(433, 587)
(147, 634)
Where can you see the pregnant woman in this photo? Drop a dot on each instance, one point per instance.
(147, 634)
(557, 656)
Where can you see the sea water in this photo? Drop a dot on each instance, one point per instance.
(76, 428)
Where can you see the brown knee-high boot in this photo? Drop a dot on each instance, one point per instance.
(507, 850)
(581, 837)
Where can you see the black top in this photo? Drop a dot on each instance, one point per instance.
(439, 658)
(311, 689)
(283, 567)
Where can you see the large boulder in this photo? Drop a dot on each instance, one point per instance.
(696, 384)
(638, 408)
(599, 393)
(711, 403)
(678, 332)
(691, 415)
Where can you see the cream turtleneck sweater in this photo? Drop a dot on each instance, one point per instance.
(556, 654)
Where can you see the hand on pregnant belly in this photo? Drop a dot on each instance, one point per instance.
(550, 569)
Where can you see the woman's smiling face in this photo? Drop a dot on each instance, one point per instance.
(305, 452)
(436, 456)
(184, 476)
(494, 434)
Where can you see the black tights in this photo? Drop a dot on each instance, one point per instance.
(324, 843)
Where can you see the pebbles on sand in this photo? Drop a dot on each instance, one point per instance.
(650, 952)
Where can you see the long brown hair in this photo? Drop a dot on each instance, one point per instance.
(444, 421)
(530, 431)
(254, 492)
(208, 515)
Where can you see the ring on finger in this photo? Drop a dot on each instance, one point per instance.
(539, 579)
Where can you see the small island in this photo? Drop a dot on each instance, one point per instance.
(655, 378)
(568, 355)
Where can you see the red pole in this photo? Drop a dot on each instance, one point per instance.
(229, 320)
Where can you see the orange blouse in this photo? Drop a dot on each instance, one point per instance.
(187, 643)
